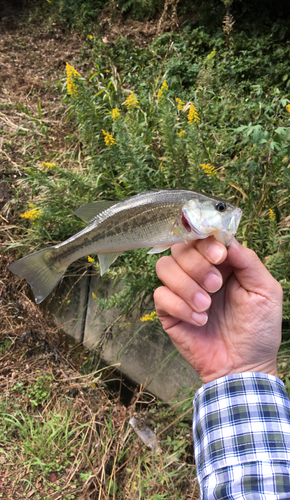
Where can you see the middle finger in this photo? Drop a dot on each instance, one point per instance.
(191, 287)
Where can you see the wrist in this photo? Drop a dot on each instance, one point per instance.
(270, 368)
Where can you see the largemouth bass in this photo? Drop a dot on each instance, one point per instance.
(157, 219)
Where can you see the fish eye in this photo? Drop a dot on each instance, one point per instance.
(220, 206)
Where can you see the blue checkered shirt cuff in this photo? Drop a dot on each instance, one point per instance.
(241, 432)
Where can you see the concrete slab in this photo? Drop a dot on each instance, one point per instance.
(67, 307)
(145, 353)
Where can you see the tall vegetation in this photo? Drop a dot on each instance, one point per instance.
(206, 109)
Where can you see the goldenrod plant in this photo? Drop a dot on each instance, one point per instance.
(160, 140)
(185, 112)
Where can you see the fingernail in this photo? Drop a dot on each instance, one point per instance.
(213, 282)
(201, 302)
(199, 318)
(215, 253)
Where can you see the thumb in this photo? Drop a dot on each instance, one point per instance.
(250, 271)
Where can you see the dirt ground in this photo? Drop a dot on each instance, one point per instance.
(32, 66)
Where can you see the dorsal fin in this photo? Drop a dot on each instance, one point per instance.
(91, 210)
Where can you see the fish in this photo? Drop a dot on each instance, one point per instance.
(157, 219)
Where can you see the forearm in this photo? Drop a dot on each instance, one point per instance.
(241, 432)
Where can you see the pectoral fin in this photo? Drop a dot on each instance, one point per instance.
(181, 232)
(106, 259)
(159, 249)
(91, 210)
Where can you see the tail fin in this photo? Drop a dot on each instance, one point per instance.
(40, 272)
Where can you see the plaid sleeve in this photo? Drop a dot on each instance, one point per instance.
(241, 431)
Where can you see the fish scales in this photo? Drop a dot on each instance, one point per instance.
(138, 224)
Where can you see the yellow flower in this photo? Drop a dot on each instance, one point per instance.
(71, 75)
(163, 89)
(208, 169)
(34, 213)
(90, 37)
(192, 115)
(132, 101)
(94, 296)
(180, 104)
(271, 214)
(48, 1)
(181, 133)
(211, 55)
(288, 108)
(109, 139)
(90, 259)
(150, 317)
(48, 165)
(115, 113)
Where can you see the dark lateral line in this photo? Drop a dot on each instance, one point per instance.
(85, 313)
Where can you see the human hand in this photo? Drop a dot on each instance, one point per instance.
(241, 330)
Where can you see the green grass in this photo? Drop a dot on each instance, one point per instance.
(78, 440)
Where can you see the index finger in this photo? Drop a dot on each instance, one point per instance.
(214, 251)
(211, 249)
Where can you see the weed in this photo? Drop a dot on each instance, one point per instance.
(82, 442)
(154, 142)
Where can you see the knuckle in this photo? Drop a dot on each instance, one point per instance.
(181, 284)
(179, 308)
